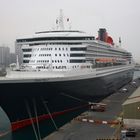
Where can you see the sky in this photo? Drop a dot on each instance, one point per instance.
(121, 18)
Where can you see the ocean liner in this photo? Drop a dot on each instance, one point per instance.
(64, 61)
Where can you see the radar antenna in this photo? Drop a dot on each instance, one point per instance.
(120, 42)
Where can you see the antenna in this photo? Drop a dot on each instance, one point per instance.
(120, 42)
(69, 23)
(60, 21)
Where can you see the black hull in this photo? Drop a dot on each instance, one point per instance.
(94, 87)
(13, 96)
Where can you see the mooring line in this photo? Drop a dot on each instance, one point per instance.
(48, 111)
(75, 98)
(30, 116)
(36, 116)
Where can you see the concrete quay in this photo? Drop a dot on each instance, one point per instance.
(93, 125)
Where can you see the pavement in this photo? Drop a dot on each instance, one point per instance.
(79, 130)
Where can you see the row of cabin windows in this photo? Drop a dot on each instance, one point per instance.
(59, 67)
(54, 67)
(61, 54)
(63, 49)
(104, 52)
(42, 61)
(78, 49)
(101, 55)
(53, 61)
(72, 49)
(27, 55)
(77, 55)
(77, 66)
(77, 61)
(25, 61)
(71, 55)
(54, 38)
(55, 54)
(43, 49)
(57, 43)
(26, 50)
(44, 54)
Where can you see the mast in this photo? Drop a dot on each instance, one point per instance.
(60, 21)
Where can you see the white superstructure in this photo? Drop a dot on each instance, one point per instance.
(68, 50)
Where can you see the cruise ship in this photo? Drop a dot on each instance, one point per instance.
(71, 61)
(64, 62)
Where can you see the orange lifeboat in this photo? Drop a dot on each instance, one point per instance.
(104, 60)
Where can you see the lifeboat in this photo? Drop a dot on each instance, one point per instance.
(105, 60)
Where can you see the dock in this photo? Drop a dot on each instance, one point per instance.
(99, 125)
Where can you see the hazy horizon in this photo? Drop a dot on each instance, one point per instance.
(24, 17)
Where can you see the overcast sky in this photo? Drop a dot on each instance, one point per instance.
(121, 18)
